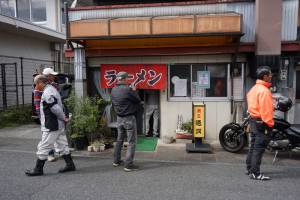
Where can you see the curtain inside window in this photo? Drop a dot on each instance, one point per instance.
(104, 93)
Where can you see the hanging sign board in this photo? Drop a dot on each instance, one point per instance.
(142, 76)
(283, 74)
(198, 120)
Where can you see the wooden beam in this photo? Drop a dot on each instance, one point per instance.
(162, 51)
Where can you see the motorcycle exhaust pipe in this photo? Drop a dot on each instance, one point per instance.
(279, 143)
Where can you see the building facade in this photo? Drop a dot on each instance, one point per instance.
(32, 36)
(210, 49)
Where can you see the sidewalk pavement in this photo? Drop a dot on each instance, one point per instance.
(26, 137)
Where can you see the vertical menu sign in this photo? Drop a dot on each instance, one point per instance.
(198, 120)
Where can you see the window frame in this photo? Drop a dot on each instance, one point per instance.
(37, 22)
(191, 98)
(16, 14)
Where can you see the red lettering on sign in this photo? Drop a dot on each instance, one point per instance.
(143, 76)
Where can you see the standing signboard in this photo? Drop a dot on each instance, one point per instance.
(198, 120)
(198, 130)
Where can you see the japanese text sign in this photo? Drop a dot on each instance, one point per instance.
(198, 120)
(203, 78)
(142, 76)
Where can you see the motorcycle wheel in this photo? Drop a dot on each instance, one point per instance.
(232, 138)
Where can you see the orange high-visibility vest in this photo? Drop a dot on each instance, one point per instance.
(260, 102)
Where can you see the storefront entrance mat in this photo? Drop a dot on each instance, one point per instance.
(146, 143)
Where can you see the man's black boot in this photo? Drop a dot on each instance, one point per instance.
(38, 170)
(69, 164)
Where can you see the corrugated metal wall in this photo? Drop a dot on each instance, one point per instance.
(289, 20)
(247, 9)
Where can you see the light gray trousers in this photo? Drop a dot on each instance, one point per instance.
(126, 126)
(152, 109)
(47, 143)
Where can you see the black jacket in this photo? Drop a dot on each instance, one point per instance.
(125, 101)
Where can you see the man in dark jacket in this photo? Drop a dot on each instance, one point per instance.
(125, 101)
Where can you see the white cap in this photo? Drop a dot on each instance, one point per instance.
(48, 71)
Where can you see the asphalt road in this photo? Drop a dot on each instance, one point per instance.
(167, 174)
(97, 179)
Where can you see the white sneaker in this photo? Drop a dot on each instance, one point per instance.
(52, 158)
(260, 177)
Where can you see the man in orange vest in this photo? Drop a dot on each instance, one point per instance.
(261, 110)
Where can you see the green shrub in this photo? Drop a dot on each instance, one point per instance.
(86, 118)
(188, 126)
(71, 101)
(15, 116)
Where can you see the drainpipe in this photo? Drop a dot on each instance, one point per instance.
(233, 60)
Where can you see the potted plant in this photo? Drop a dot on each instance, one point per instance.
(98, 145)
(84, 120)
(185, 131)
(79, 140)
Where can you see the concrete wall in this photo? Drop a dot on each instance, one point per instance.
(27, 47)
(217, 115)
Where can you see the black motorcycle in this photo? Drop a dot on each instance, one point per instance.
(285, 136)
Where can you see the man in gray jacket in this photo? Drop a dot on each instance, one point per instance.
(125, 101)
(53, 122)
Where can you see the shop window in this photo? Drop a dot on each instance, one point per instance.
(200, 80)
(38, 10)
(8, 8)
(209, 80)
(180, 80)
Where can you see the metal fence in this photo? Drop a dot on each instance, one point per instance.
(16, 78)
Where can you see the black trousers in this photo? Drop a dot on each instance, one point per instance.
(259, 142)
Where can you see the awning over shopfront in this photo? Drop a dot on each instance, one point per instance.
(101, 35)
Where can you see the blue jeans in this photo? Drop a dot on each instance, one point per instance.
(259, 142)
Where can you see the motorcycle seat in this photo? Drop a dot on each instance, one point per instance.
(295, 128)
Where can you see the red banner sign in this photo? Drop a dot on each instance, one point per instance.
(142, 76)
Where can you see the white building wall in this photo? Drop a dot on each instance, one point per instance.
(51, 9)
(54, 22)
(217, 115)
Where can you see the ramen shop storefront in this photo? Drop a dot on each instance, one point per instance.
(179, 59)
(177, 83)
